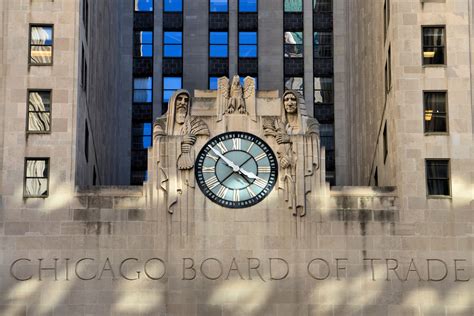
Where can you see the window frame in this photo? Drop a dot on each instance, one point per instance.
(139, 42)
(209, 44)
(31, 25)
(164, 44)
(256, 45)
(48, 177)
(133, 89)
(446, 112)
(28, 91)
(437, 196)
(445, 47)
(323, 45)
(295, 45)
(163, 91)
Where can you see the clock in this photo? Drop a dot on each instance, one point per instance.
(236, 169)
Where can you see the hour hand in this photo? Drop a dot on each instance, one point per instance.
(226, 160)
(249, 174)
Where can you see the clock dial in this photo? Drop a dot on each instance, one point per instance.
(236, 169)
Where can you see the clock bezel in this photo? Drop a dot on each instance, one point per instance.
(273, 178)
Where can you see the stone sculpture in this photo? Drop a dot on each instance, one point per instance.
(233, 98)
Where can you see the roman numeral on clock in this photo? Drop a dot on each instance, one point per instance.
(236, 196)
(212, 157)
(222, 192)
(236, 143)
(264, 169)
(251, 193)
(222, 147)
(260, 182)
(212, 182)
(260, 157)
(209, 169)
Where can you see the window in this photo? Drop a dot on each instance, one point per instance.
(376, 177)
(218, 6)
(86, 142)
(39, 112)
(434, 45)
(385, 143)
(435, 114)
(247, 5)
(143, 90)
(218, 44)
(213, 83)
(388, 72)
(322, 5)
(170, 85)
(322, 44)
(247, 44)
(295, 83)
(144, 44)
(437, 177)
(173, 5)
(144, 5)
(36, 177)
(85, 17)
(293, 44)
(173, 44)
(293, 6)
(142, 135)
(41, 45)
(323, 90)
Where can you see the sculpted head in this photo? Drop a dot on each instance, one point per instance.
(235, 81)
(182, 106)
(290, 102)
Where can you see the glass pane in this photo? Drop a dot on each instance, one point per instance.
(147, 129)
(167, 95)
(39, 121)
(437, 169)
(41, 55)
(173, 5)
(172, 51)
(39, 101)
(173, 38)
(433, 55)
(322, 5)
(143, 5)
(146, 141)
(433, 36)
(293, 5)
(171, 83)
(36, 169)
(438, 187)
(146, 50)
(218, 37)
(218, 51)
(247, 37)
(293, 37)
(213, 83)
(247, 50)
(218, 5)
(294, 83)
(146, 37)
(36, 187)
(248, 6)
(143, 83)
(142, 96)
(41, 35)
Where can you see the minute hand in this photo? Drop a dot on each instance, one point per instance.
(234, 167)
(249, 174)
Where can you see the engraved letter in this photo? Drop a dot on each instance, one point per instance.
(121, 269)
(109, 268)
(372, 266)
(414, 269)
(254, 268)
(339, 268)
(394, 269)
(77, 273)
(221, 269)
(313, 275)
(12, 272)
(456, 269)
(428, 263)
(191, 267)
(234, 263)
(55, 269)
(155, 278)
(284, 275)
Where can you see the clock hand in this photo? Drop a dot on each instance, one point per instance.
(250, 175)
(234, 167)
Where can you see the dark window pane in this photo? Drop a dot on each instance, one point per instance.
(322, 5)
(435, 115)
(323, 90)
(218, 5)
(322, 45)
(437, 176)
(433, 45)
(247, 5)
(173, 5)
(293, 5)
(144, 5)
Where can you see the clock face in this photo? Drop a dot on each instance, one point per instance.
(236, 169)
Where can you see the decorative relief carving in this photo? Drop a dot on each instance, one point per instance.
(176, 157)
(297, 135)
(233, 98)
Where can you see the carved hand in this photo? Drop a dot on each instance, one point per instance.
(230, 163)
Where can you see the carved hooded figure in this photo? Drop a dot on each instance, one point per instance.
(297, 135)
(174, 163)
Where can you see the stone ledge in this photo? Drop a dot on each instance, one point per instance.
(363, 191)
(120, 191)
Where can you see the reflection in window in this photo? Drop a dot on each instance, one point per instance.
(173, 5)
(143, 90)
(144, 42)
(144, 5)
(173, 44)
(41, 45)
(435, 112)
(293, 5)
(293, 44)
(433, 45)
(142, 136)
(218, 6)
(247, 5)
(247, 44)
(437, 177)
(170, 85)
(295, 83)
(213, 83)
(322, 44)
(322, 5)
(218, 44)
(323, 90)
(36, 177)
(39, 111)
